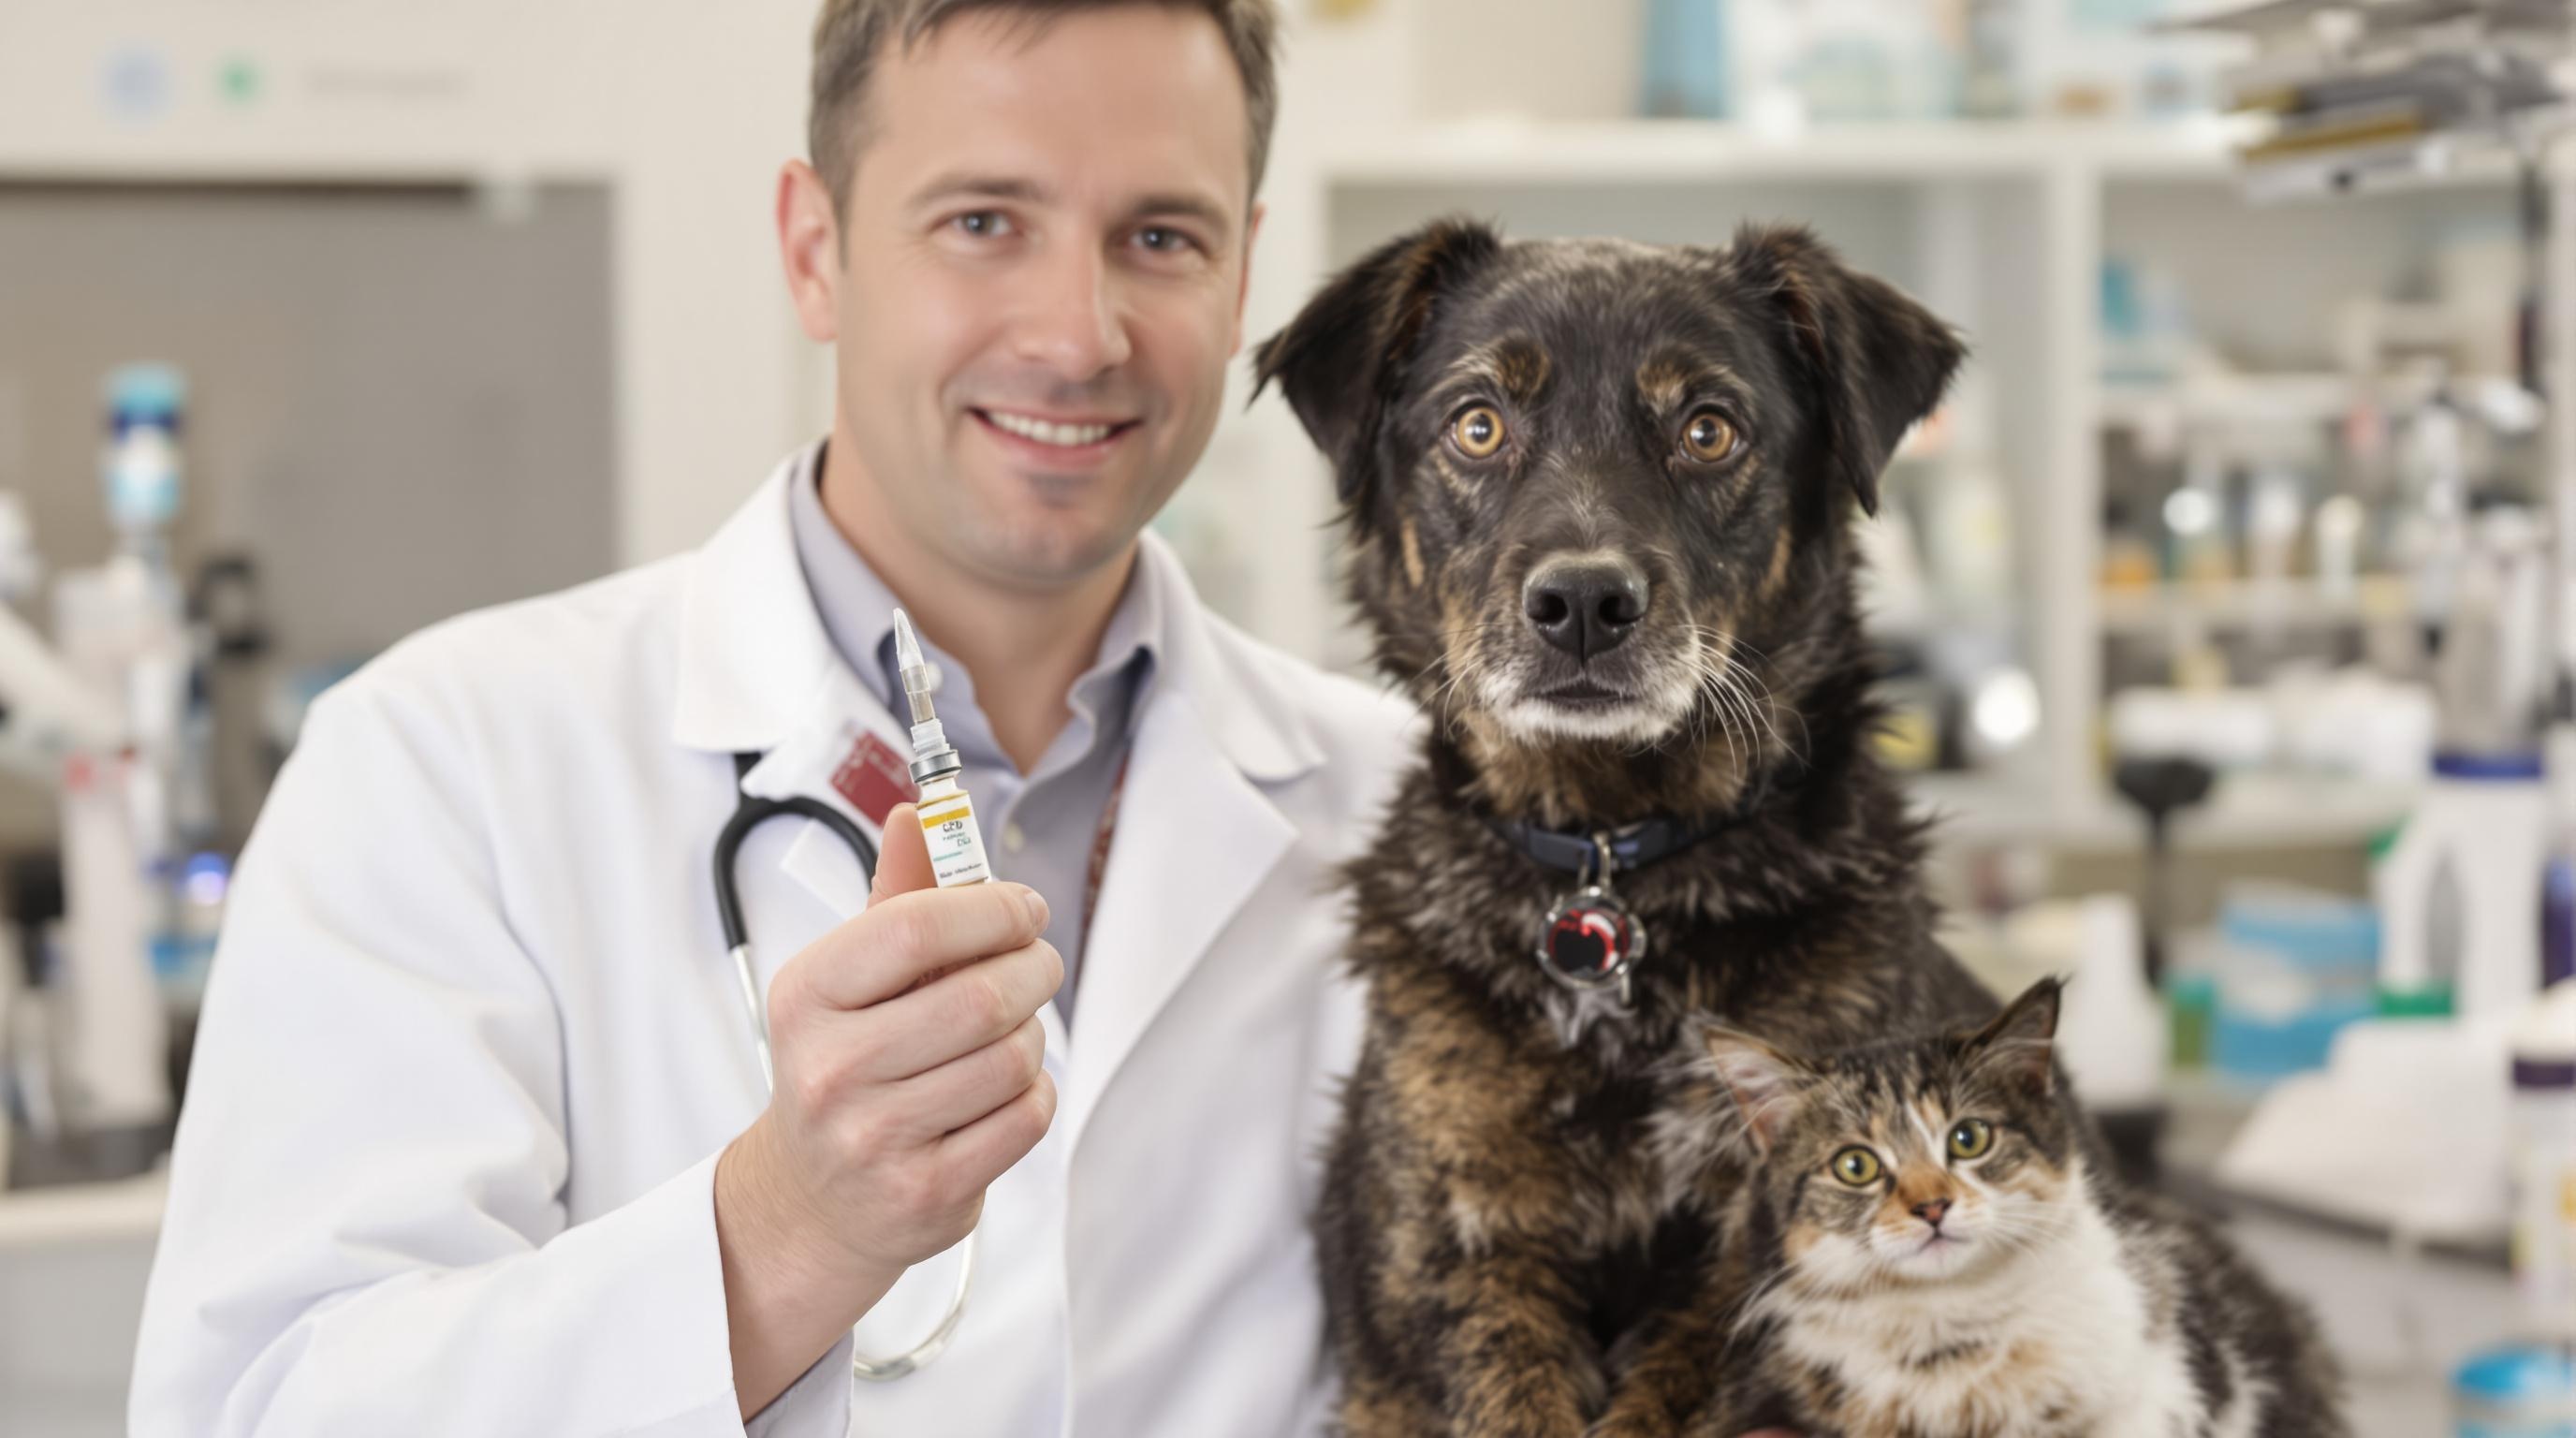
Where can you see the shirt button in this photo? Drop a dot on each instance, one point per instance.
(1013, 839)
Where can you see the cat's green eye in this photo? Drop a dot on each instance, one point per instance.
(1857, 1167)
(1971, 1138)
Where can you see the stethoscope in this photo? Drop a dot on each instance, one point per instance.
(750, 812)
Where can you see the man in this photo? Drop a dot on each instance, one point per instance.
(478, 1139)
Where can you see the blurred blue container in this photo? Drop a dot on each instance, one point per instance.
(1686, 60)
(2523, 1391)
(2259, 1048)
(2322, 934)
(2300, 965)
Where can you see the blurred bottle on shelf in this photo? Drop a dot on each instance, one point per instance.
(2461, 893)
(1688, 64)
(1991, 82)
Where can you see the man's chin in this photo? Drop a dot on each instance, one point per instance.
(1050, 548)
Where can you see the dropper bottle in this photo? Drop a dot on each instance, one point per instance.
(947, 815)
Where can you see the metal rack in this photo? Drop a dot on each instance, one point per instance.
(2352, 96)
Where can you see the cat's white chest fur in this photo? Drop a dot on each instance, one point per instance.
(2059, 1342)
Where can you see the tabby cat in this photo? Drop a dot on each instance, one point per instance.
(1929, 1244)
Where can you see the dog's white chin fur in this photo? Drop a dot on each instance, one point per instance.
(1641, 722)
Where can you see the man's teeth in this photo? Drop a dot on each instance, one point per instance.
(1046, 433)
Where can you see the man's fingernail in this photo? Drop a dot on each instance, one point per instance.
(1037, 907)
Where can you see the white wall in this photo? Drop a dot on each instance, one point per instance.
(718, 380)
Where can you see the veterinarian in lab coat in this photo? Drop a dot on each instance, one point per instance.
(477, 1140)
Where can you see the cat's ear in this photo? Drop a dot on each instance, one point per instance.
(1764, 1082)
(2020, 1043)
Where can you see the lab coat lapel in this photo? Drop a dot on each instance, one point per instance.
(1197, 835)
(758, 675)
(1195, 839)
(753, 654)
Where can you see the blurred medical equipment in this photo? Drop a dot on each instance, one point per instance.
(104, 719)
(2544, 1163)
(2360, 94)
(2528, 1385)
(47, 712)
(2461, 891)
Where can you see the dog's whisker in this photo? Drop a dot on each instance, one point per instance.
(1746, 693)
(1752, 673)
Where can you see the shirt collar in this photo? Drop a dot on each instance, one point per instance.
(752, 663)
(857, 611)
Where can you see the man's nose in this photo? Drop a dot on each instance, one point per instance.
(1073, 325)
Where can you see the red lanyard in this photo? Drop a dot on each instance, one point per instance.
(1099, 865)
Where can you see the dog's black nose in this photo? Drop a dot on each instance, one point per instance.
(1586, 606)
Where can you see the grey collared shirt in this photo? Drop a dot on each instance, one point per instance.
(1039, 827)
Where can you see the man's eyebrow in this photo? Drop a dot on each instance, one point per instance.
(1188, 205)
(965, 184)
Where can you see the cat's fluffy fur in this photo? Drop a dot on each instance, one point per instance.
(1988, 1280)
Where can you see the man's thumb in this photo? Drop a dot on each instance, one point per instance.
(903, 858)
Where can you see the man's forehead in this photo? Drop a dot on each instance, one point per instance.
(1058, 108)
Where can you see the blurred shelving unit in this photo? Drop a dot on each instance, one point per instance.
(2281, 397)
(2254, 810)
(1660, 152)
(2253, 604)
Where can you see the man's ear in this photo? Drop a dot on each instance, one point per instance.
(809, 250)
(1874, 359)
(2020, 1042)
(1764, 1082)
(1342, 361)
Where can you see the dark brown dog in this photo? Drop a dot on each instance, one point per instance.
(1599, 496)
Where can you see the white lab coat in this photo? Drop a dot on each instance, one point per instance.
(473, 1044)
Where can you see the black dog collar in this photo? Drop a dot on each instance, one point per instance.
(1631, 846)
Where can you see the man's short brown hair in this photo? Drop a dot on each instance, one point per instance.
(849, 35)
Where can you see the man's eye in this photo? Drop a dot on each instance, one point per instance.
(1164, 241)
(982, 224)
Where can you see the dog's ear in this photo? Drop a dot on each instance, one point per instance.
(1876, 360)
(1341, 362)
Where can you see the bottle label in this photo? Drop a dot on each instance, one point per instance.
(956, 846)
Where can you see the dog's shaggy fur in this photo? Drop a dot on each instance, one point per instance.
(1495, 1223)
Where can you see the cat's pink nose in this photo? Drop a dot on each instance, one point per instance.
(1932, 1212)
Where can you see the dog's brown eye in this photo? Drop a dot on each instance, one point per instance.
(1478, 433)
(1710, 438)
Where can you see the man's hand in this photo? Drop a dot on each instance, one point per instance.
(908, 1055)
